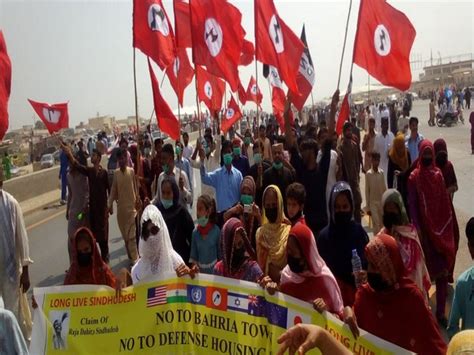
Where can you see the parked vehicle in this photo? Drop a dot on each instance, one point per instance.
(47, 161)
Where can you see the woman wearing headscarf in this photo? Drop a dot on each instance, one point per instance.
(272, 236)
(157, 255)
(391, 306)
(462, 343)
(338, 239)
(246, 209)
(398, 161)
(428, 199)
(397, 225)
(178, 220)
(306, 276)
(87, 266)
(450, 180)
(238, 256)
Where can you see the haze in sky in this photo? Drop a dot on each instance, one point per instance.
(81, 51)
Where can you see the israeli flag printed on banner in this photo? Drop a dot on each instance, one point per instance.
(237, 302)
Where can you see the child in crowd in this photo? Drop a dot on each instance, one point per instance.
(374, 189)
(205, 238)
(295, 197)
(463, 301)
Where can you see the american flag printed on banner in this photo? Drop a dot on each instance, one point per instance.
(156, 296)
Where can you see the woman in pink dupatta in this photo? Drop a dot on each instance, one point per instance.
(306, 276)
(397, 225)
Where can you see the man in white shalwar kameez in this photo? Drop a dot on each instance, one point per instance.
(14, 252)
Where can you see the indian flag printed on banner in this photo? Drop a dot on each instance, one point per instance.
(176, 293)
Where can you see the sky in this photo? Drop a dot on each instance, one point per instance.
(81, 51)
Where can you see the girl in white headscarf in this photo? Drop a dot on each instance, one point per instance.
(157, 255)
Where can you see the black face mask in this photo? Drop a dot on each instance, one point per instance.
(272, 214)
(238, 257)
(295, 264)
(426, 161)
(376, 281)
(441, 159)
(342, 218)
(391, 219)
(84, 259)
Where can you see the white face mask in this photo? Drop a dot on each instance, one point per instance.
(148, 249)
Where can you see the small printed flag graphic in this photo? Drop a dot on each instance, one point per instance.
(216, 298)
(156, 296)
(237, 302)
(276, 315)
(257, 306)
(177, 293)
(197, 295)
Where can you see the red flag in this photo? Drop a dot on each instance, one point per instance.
(216, 298)
(210, 89)
(345, 111)
(182, 24)
(276, 44)
(152, 32)
(180, 73)
(5, 85)
(278, 95)
(217, 38)
(242, 94)
(305, 77)
(232, 115)
(248, 53)
(253, 92)
(167, 121)
(54, 117)
(383, 43)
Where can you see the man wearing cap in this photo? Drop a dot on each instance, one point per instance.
(279, 173)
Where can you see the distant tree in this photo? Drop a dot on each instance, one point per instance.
(39, 125)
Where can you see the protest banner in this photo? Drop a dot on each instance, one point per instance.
(207, 315)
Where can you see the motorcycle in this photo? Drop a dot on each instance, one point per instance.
(449, 118)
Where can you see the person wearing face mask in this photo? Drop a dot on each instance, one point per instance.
(205, 237)
(397, 225)
(337, 240)
(272, 236)
(450, 180)
(391, 306)
(278, 174)
(246, 209)
(239, 161)
(178, 220)
(183, 164)
(226, 181)
(428, 200)
(238, 256)
(306, 276)
(257, 169)
(210, 149)
(87, 266)
(157, 255)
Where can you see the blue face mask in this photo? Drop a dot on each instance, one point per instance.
(166, 203)
(177, 150)
(202, 221)
(257, 158)
(247, 140)
(166, 168)
(278, 165)
(246, 199)
(227, 159)
(237, 151)
(207, 150)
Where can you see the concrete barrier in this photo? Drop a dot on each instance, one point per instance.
(34, 184)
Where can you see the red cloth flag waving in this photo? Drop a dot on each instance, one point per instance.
(248, 52)
(5, 85)
(383, 43)
(167, 121)
(54, 117)
(217, 38)
(345, 112)
(276, 44)
(182, 24)
(278, 95)
(253, 92)
(232, 115)
(210, 89)
(152, 32)
(306, 76)
(242, 94)
(180, 73)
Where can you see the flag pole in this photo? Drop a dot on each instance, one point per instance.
(344, 45)
(136, 110)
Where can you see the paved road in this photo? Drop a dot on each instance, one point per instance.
(47, 228)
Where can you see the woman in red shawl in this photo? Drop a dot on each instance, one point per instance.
(306, 276)
(87, 266)
(450, 181)
(428, 199)
(391, 306)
